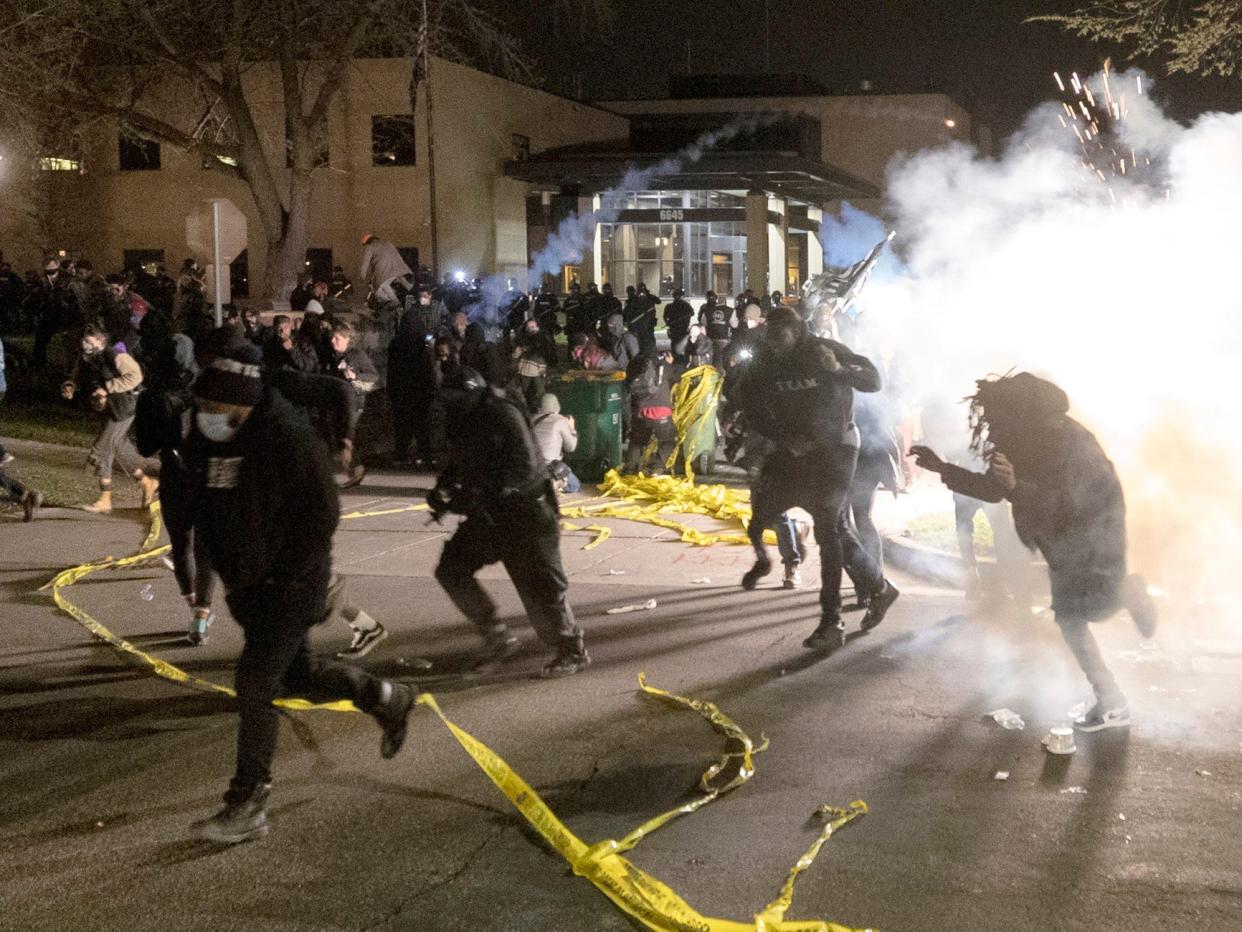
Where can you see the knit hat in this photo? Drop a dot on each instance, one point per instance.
(230, 382)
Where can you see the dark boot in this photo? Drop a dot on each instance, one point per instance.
(241, 820)
(829, 636)
(880, 603)
(498, 646)
(571, 657)
(755, 573)
(392, 714)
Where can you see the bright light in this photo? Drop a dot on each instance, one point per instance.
(50, 164)
(459, 275)
(950, 123)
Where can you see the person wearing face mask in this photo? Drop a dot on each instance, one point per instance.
(111, 380)
(693, 349)
(352, 364)
(1067, 503)
(608, 305)
(266, 508)
(798, 395)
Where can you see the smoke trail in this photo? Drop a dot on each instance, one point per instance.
(1123, 291)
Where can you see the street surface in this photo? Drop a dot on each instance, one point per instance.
(103, 766)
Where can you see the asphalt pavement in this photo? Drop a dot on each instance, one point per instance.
(971, 826)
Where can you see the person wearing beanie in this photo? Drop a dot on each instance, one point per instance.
(1068, 503)
(798, 395)
(556, 434)
(266, 509)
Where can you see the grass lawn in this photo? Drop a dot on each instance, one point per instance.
(938, 532)
(25, 417)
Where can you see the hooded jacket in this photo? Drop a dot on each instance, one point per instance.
(1067, 503)
(620, 343)
(494, 459)
(266, 508)
(797, 402)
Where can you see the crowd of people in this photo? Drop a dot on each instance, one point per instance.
(250, 429)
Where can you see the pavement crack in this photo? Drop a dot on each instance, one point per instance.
(435, 885)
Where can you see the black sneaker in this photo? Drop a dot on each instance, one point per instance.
(236, 822)
(363, 642)
(393, 715)
(879, 605)
(497, 650)
(1101, 717)
(755, 573)
(31, 503)
(1139, 604)
(829, 636)
(566, 663)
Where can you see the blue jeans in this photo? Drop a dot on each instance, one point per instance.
(572, 483)
(787, 540)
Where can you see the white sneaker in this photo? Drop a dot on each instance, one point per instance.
(1098, 718)
(364, 642)
(793, 577)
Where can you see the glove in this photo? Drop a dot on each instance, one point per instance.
(440, 503)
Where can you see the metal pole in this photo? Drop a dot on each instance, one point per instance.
(431, 151)
(215, 243)
(767, 36)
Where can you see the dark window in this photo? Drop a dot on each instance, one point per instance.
(392, 140)
(239, 276)
(319, 264)
(138, 155)
(146, 259)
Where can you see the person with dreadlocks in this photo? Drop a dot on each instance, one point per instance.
(1067, 503)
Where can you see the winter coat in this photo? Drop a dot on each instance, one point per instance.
(797, 403)
(381, 263)
(1068, 503)
(493, 457)
(265, 506)
(677, 317)
(411, 372)
(115, 372)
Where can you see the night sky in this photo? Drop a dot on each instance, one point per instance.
(978, 51)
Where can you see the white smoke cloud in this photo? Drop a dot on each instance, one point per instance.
(1126, 293)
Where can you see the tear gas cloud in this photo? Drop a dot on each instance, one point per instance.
(1123, 291)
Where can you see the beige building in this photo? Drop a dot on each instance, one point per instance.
(510, 164)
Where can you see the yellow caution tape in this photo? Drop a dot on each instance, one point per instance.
(601, 533)
(695, 397)
(632, 889)
(651, 497)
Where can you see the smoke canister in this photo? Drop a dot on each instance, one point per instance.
(1060, 740)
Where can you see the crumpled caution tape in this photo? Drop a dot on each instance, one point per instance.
(651, 497)
(695, 398)
(149, 551)
(601, 533)
(632, 889)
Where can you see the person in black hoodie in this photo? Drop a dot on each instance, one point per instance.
(496, 477)
(411, 384)
(161, 424)
(677, 316)
(1068, 503)
(266, 508)
(798, 394)
(651, 415)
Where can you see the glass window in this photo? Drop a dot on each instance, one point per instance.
(138, 155)
(52, 164)
(392, 140)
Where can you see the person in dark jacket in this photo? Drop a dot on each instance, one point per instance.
(161, 425)
(546, 310)
(693, 349)
(1068, 504)
(411, 384)
(578, 313)
(266, 507)
(497, 479)
(608, 304)
(798, 394)
(513, 308)
(29, 499)
(483, 357)
(677, 316)
(534, 355)
(351, 364)
(279, 346)
(651, 415)
(640, 316)
(110, 379)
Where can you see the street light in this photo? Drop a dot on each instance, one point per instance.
(950, 123)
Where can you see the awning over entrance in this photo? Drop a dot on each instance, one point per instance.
(590, 170)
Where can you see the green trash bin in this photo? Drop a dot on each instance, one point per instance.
(594, 399)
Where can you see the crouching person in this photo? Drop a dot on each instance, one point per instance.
(266, 508)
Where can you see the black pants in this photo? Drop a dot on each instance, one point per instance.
(859, 502)
(526, 538)
(276, 659)
(641, 431)
(818, 482)
(412, 423)
(14, 489)
(191, 560)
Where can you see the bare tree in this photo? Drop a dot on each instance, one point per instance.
(180, 73)
(1193, 38)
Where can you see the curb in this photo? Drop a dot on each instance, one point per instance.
(931, 565)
